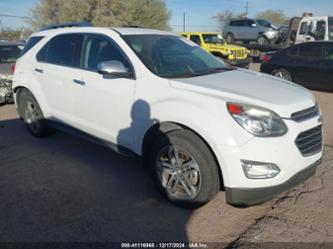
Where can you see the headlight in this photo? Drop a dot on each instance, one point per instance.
(258, 121)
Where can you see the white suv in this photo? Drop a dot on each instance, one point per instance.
(199, 124)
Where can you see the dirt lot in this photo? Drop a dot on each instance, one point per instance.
(62, 189)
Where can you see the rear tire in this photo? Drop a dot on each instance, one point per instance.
(32, 114)
(283, 74)
(230, 38)
(184, 169)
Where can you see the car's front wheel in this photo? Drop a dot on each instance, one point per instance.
(262, 40)
(32, 114)
(184, 168)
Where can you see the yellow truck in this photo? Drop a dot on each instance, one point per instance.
(214, 43)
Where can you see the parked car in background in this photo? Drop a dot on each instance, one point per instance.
(215, 44)
(9, 53)
(247, 30)
(198, 123)
(309, 64)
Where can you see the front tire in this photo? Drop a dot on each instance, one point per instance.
(184, 169)
(32, 114)
(262, 40)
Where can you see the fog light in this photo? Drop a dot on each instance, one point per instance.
(259, 170)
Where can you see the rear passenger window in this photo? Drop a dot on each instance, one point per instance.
(196, 39)
(99, 49)
(310, 50)
(62, 50)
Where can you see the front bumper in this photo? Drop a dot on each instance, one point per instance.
(252, 196)
(243, 63)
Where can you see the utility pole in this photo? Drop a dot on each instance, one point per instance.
(247, 9)
(184, 22)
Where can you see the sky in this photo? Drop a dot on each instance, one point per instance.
(199, 13)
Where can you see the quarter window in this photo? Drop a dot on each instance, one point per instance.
(31, 43)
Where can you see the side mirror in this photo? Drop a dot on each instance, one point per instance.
(114, 68)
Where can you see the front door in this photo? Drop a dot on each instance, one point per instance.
(103, 104)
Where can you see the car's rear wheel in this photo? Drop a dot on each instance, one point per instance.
(230, 38)
(184, 169)
(283, 74)
(32, 114)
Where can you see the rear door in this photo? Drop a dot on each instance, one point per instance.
(57, 64)
(308, 64)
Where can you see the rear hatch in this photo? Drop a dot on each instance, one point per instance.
(8, 56)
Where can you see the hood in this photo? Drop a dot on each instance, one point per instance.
(244, 86)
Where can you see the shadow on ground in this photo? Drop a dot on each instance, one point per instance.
(65, 189)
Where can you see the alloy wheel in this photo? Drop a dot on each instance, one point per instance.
(178, 172)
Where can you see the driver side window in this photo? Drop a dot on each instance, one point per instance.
(99, 49)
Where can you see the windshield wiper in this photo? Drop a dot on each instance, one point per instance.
(182, 75)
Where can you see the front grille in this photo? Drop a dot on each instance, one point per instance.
(305, 114)
(310, 142)
(238, 53)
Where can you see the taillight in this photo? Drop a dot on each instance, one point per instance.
(13, 68)
(266, 58)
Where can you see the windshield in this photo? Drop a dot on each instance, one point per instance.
(264, 23)
(213, 38)
(330, 28)
(172, 56)
(9, 53)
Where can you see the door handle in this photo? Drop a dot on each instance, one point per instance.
(39, 70)
(80, 82)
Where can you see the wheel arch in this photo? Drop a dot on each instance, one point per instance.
(168, 126)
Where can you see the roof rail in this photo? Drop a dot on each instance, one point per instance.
(67, 25)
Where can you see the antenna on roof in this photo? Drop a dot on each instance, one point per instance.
(67, 25)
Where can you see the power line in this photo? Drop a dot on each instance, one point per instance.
(13, 16)
(247, 8)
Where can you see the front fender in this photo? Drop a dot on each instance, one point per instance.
(213, 128)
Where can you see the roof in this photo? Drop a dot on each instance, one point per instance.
(120, 30)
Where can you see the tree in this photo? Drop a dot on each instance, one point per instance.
(274, 16)
(224, 17)
(146, 13)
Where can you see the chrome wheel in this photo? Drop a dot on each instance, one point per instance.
(31, 117)
(283, 74)
(178, 173)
